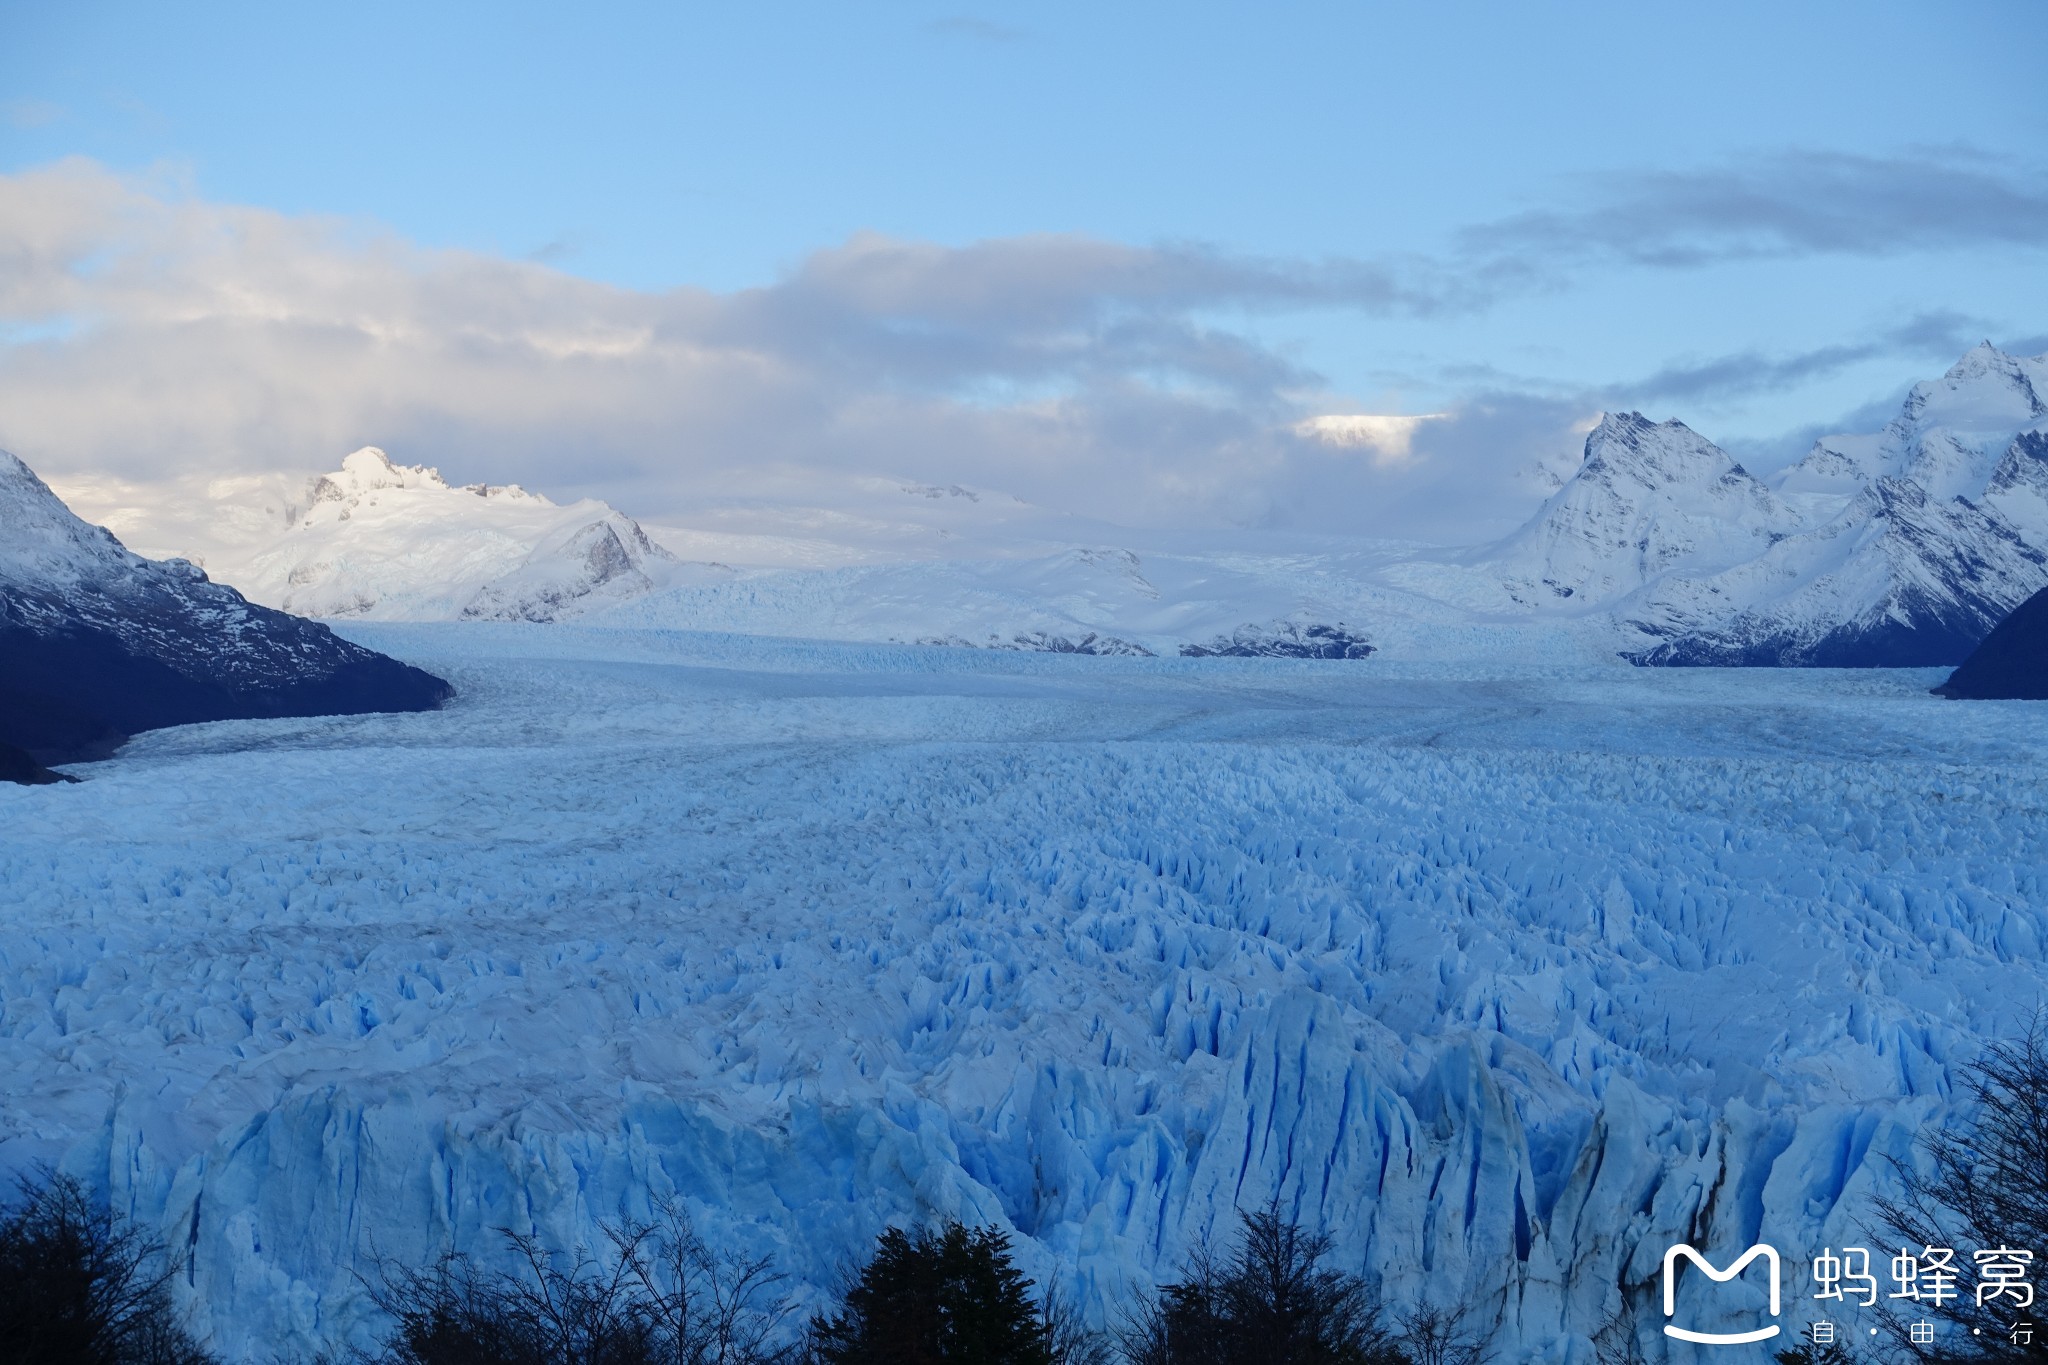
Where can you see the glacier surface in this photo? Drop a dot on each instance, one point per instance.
(1508, 975)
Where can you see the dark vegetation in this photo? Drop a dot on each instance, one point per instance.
(17, 766)
(657, 1294)
(1982, 1187)
(78, 695)
(949, 1295)
(1275, 1299)
(933, 1298)
(79, 1286)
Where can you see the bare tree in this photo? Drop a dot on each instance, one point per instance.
(1068, 1339)
(1982, 1188)
(1618, 1342)
(661, 1296)
(718, 1310)
(1431, 1335)
(80, 1285)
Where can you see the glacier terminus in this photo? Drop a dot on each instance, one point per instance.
(1508, 974)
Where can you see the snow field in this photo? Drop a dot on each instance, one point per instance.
(1507, 976)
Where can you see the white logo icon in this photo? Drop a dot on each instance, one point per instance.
(1770, 1255)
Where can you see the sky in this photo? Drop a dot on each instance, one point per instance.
(1109, 258)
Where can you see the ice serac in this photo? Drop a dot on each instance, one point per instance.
(383, 541)
(97, 643)
(1650, 499)
(2012, 663)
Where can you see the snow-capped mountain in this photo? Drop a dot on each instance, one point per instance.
(1950, 437)
(1899, 548)
(1898, 579)
(97, 643)
(1175, 596)
(1650, 499)
(386, 541)
(1902, 547)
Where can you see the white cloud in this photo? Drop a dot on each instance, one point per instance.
(147, 335)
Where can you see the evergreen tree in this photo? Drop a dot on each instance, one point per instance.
(949, 1297)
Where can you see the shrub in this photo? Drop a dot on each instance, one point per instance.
(660, 1295)
(1275, 1301)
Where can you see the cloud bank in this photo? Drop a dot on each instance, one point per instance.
(148, 334)
(1788, 204)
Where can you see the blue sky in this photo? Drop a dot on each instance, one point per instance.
(1760, 218)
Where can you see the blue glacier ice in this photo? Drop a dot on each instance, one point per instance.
(1508, 975)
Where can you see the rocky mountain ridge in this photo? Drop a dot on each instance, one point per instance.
(98, 643)
(1900, 548)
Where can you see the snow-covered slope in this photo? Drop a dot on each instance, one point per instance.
(1949, 436)
(1916, 540)
(1896, 547)
(1506, 977)
(1899, 548)
(97, 643)
(385, 541)
(1206, 594)
(1897, 579)
(1649, 500)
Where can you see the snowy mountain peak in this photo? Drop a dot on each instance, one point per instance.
(1916, 539)
(1949, 437)
(1986, 390)
(1655, 454)
(370, 470)
(1650, 498)
(97, 642)
(392, 541)
(43, 538)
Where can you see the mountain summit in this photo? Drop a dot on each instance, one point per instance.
(1649, 499)
(98, 643)
(388, 541)
(1897, 548)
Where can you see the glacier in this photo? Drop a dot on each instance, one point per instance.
(1507, 972)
